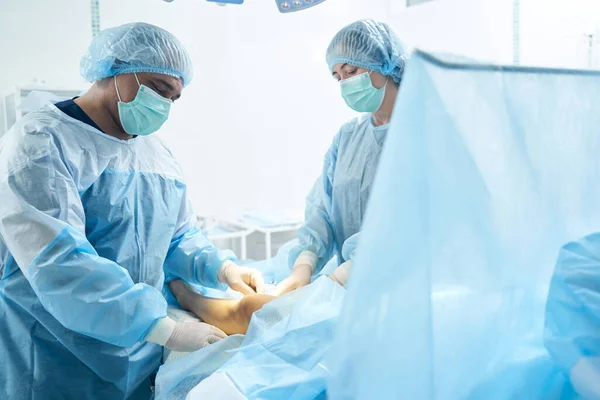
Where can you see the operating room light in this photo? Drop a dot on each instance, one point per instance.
(225, 2)
(285, 6)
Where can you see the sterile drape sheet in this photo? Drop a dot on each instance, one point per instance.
(487, 172)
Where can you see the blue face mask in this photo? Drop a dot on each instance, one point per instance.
(146, 113)
(360, 94)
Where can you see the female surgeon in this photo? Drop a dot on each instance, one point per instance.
(368, 61)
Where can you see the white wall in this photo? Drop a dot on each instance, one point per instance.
(253, 127)
(480, 29)
(39, 41)
(555, 33)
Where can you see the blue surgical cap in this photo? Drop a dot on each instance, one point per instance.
(368, 44)
(136, 47)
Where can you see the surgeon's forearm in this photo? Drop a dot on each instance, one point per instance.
(232, 316)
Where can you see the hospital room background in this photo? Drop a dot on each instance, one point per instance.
(252, 130)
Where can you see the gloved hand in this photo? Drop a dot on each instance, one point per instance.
(299, 277)
(341, 273)
(184, 336)
(190, 336)
(243, 279)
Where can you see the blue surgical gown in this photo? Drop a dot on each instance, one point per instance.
(572, 326)
(335, 208)
(91, 227)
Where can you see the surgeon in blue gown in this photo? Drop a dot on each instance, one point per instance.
(572, 327)
(94, 219)
(368, 60)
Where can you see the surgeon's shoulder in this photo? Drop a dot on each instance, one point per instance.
(354, 125)
(157, 144)
(346, 131)
(161, 156)
(31, 137)
(36, 123)
(585, 251)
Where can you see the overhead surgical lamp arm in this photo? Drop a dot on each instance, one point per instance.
(285, 6)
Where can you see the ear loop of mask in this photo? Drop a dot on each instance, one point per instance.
(386, 82)
(384, 85)
(117, 88)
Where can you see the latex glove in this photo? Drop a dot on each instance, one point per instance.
(341, 273)
(184, 336)
(243, 279)
(190, 336)
(585, 377)
(299, 277)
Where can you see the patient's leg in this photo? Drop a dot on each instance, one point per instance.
(230, 315)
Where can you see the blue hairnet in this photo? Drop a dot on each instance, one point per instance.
(136, 47)
(368, 44)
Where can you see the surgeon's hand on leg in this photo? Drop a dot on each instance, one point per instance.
(243, 279)
(299, 277)
(184, 336)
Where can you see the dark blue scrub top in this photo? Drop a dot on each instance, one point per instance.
(71, 108)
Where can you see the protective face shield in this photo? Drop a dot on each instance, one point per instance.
(146, 113)
(360, 94)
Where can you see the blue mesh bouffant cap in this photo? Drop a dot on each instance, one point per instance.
(136, 47)
(368, 44)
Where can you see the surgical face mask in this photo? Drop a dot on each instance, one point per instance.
(146, 113)
(360, 94)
